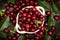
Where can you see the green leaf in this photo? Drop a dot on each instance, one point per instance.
(4, 23)
(11, 1)
(22, 37)
(51, 20)
(3, 35)
(55, 8)
(44, 4)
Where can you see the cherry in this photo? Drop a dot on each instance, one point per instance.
(50, 33)
(12, 14)
(7, 11)
(6, 30)
(41, 16)
(20, 11)
(41, 33)
(7, 7)
(24, 14)
(34, 9)
(27, 1)
(37, 38)
(35, 3)
(41, 28)
(28, 19)
(33, 17)
(46, 24)
(5, 15)
(36, 12)
(13, 38)
(28, 16)
(26, 10)
(56, 17)
(11, 5)
(15, 6)
(30, 13)
(11, 18)
(48, 13)
(24, 18)
(23, 4)
(17, 35)
(53, 28)
(13, 21)
(27, 26)
(9, 37)
(31, 2)
(56, 37)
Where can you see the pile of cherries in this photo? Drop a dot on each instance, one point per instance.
(27, 18)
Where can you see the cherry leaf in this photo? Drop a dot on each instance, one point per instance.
(44, 4)
(4, 23)
(21, 37)
(3, 35)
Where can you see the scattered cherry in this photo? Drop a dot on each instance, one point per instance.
(6, 30)
(56, 17)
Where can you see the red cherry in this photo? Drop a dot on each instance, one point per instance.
(23, 28)
(21, 1)
(56, 37)
(50, 33)
(53, 28)
(7, 11)
(42, 28)
(5, 15)
(11, 18)
(27, 4)
(6, 30)
(20, 11)
(27, 26)
(36, 3)
(23, 4)
(12, 14)
(15, 6)
(26, 9)
(34, 9)
(27, 1)
(28, 16)
(17, 35)
(45, 24)
(30, 13)
(7, 7)
(14, 38)
(41, 33)
(48, 13)
(37, 38)
(41, 16)
(24, 18)
(13, 21)
(56, 17)
(9, 37)
(31, 2)
(33, 17)
(24, 14)
(27, 39)
(11, 5)
(37, 13)
(28, 19)
(20, 22)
